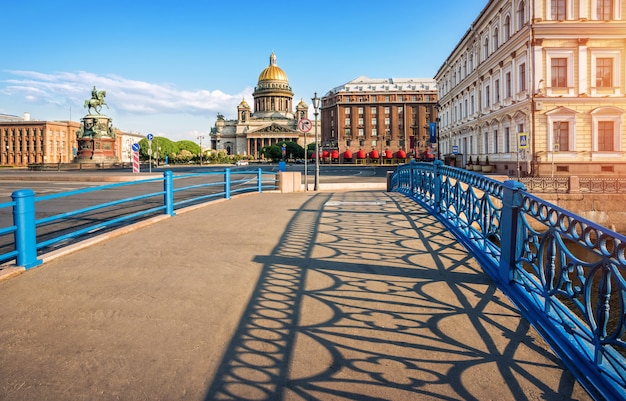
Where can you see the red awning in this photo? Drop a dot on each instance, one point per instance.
(325, 154)
(401, 154)
(388, 154)
(335, 154)
(374, 154)
(347, 154)
(360, 154)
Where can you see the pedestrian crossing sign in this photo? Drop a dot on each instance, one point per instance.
(523, 140)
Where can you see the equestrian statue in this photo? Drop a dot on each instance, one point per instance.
(97, 101)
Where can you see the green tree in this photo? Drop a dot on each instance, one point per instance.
(273, 153)
(292, 149)
(191, 146)
(161, 146)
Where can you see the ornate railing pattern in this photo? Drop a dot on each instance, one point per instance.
(597, 185)
(566, 274)
(603, 185)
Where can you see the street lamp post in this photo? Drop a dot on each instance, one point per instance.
(200, 139)
(316, 106)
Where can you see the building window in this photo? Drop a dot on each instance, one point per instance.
(496, 91)
(496, 42)
(558, 72)
(521, 14)
(373, 110)
(374, 120)
(387, 110)
(360, 121)
(374, 132)
(387, 121)
(361, 132)
(558, 10)
(507, 85)
(560, 130)
(486, 49)
(604, 10)
(604, 72)
(507, 28)
(606, 136)
(495, 141)
(522, 77)
(507, 139)
(486, 143)
(347, 121)
(361, 111)
(347, 111)
(487, 98)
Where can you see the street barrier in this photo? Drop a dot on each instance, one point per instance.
(563, 272)
(42, 223)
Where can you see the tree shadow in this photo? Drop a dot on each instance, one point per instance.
(368, 297)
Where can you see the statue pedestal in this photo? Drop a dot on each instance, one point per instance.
(96, 140)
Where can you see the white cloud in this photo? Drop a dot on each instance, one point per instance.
(123, 96)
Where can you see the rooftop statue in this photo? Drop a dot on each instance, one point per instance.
(97, 101)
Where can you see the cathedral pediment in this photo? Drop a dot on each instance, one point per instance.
(274, 128)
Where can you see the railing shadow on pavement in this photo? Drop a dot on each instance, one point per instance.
(563, 272)
(368, 297)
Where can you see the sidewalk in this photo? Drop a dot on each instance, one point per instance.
(319, 295)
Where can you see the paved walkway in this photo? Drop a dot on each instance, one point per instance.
(309, 296)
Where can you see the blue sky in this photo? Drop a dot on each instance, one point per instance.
(169, 67)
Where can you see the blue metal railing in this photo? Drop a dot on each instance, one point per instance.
(30, 235)
(565, 273)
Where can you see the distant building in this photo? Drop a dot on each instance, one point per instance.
(24, 141)
(273, 119)
(539, 85)
(380, 114)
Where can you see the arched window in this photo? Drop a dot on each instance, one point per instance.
(521, 14)
(507, 28)
(496, 42)
(486, 49)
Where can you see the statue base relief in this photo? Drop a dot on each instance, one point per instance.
(96, 140)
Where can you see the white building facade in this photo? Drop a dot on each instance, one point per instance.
(538, 87)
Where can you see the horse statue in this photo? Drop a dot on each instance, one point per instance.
(97, 101)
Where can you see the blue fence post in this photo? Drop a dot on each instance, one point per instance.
(227, 183)
(260, 180)
(168, 188)
(437, 164)
(26, 229)
(510, 229)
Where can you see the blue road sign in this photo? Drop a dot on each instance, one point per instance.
(149, 137)
(135, 147)
(455, 150)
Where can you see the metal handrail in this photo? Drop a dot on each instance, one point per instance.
(566, 274)
(33, 235)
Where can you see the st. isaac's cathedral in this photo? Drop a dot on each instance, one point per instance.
(271, 122)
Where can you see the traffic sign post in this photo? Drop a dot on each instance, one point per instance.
(304, 125)
(135, 155)
(150, 137)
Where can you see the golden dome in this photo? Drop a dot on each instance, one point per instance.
(273, 72)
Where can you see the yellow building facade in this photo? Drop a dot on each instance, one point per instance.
(538, 87)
